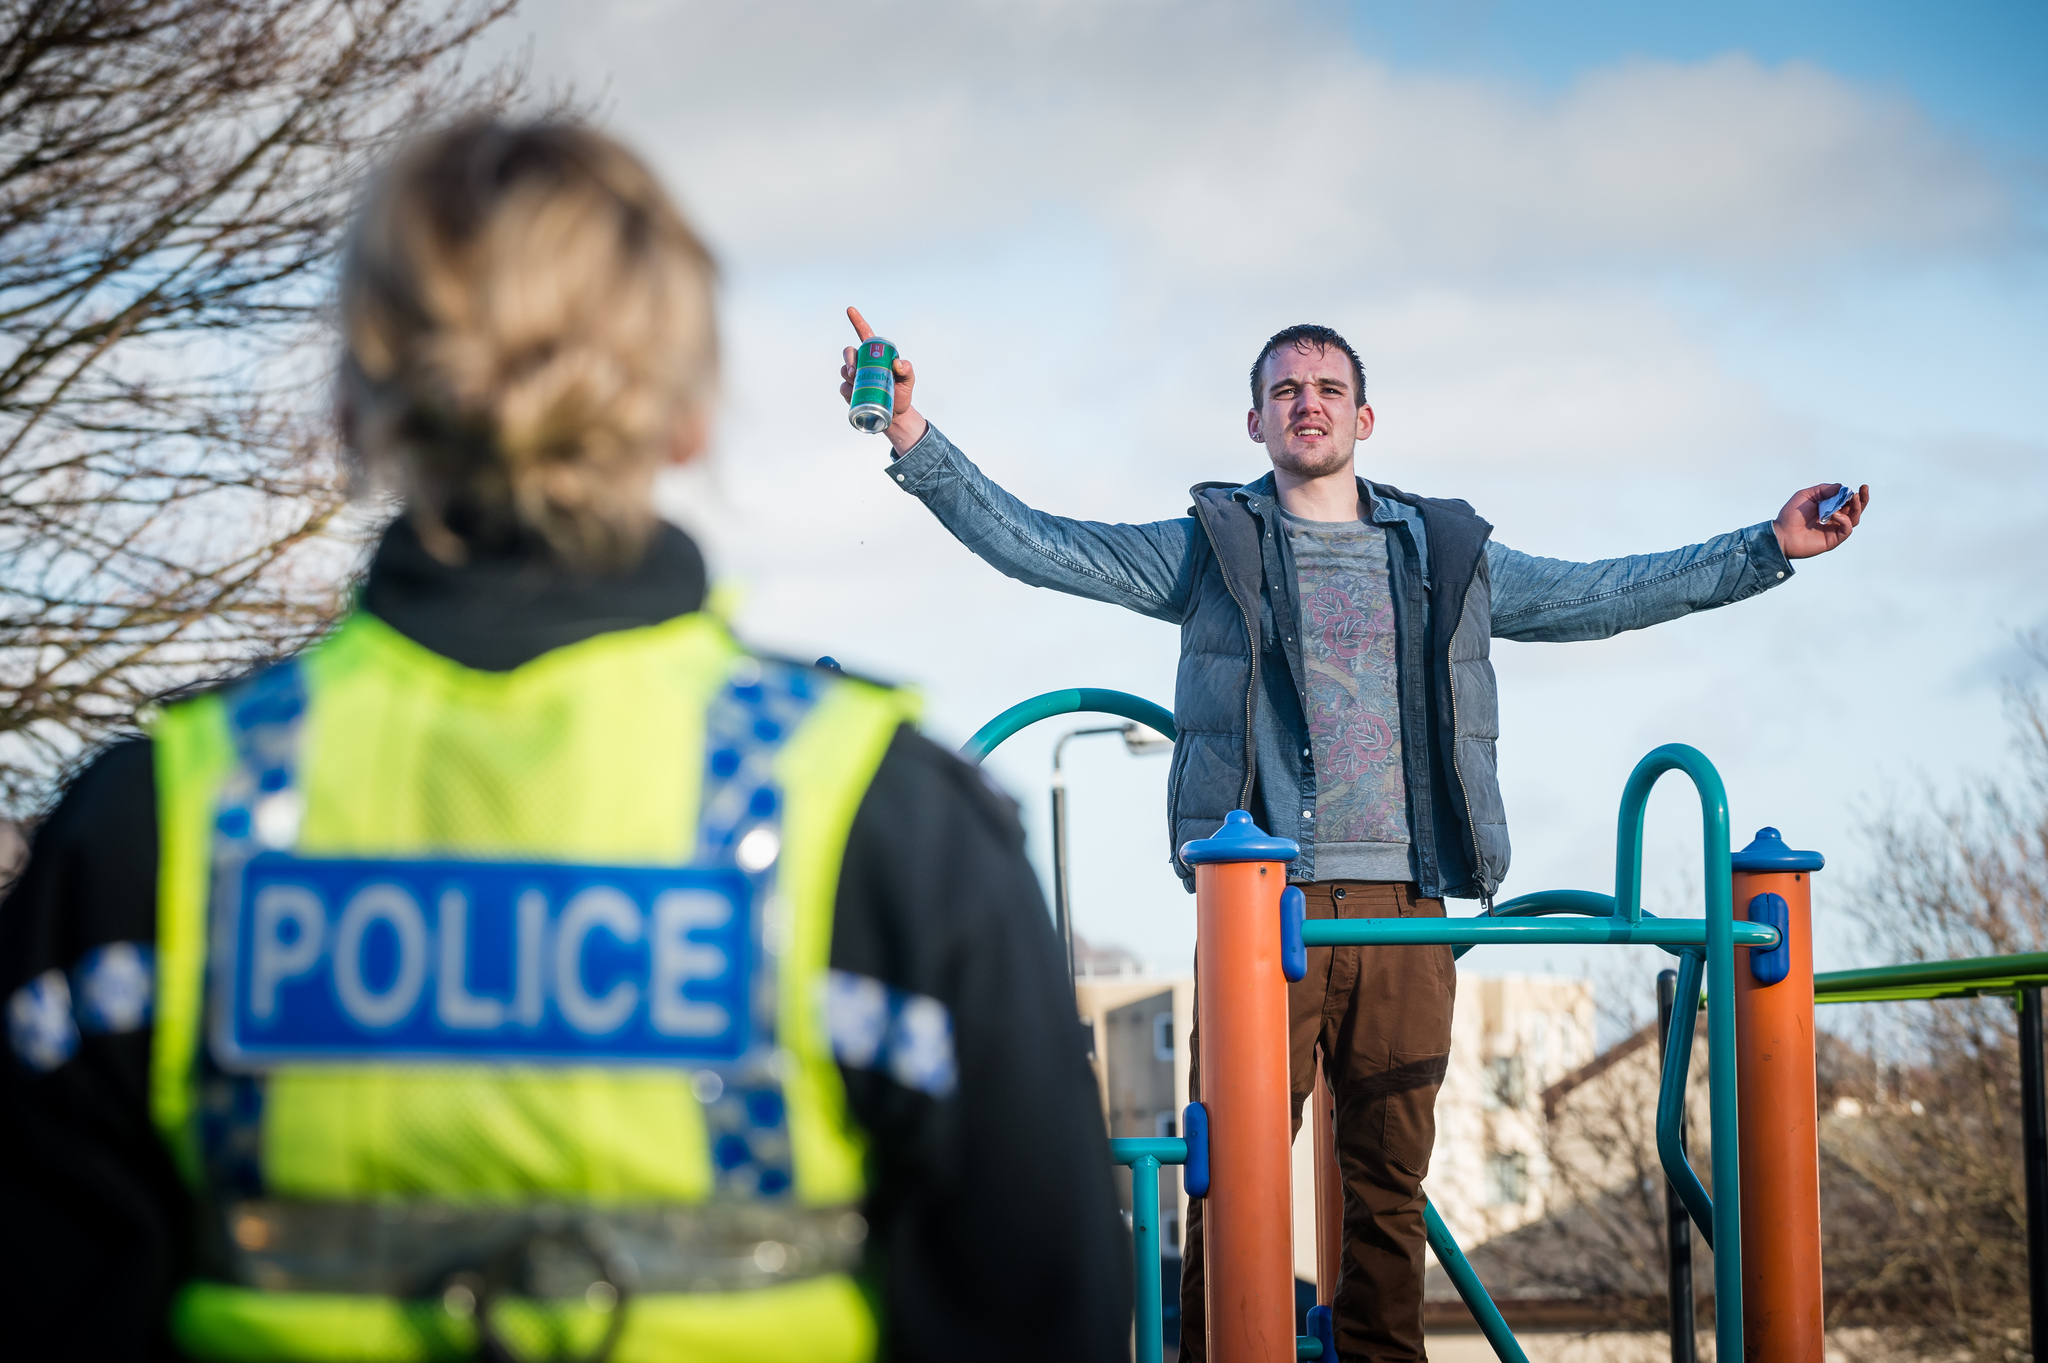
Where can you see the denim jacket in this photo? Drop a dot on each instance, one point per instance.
(1224, 573)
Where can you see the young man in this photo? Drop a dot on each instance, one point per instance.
(1334, 681)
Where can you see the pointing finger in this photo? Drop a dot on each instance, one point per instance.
(860, 324)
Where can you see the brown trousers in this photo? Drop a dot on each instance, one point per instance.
(1382, 1016)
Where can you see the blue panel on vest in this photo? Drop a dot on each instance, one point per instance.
(353, 960)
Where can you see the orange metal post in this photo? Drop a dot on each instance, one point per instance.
(1329, 1190)
(1241, 999)
(1782, 1308)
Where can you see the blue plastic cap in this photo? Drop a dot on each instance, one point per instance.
(1293, 952)
(1322, 1328)
(1769, 967)
(1194, 1170)
(1768, 852)
(1238, 840)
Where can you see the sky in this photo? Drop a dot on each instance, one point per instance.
(1623, 278)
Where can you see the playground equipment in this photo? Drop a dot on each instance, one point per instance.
(1763, 1217)
(2019, 978)
(1775, 1095)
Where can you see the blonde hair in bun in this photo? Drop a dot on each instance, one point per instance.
(527, 325)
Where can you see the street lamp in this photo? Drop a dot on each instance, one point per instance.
(1139, 739)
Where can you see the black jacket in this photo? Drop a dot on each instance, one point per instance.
(994, 1228)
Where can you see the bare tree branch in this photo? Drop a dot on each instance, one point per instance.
(174, 176)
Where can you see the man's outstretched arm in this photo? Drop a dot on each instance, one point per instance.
(1145, 568)
(1547, 600)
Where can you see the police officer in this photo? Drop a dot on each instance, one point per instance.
(528, 970)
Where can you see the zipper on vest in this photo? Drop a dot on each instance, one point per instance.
(1251, 694)
(1471, 824)
(1251, 634)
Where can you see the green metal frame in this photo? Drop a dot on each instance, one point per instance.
(2021, 978)
(1933, 979)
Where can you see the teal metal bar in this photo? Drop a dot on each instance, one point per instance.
(1721, 937)
(1587, 902)
(1165, 1149)
(1470, 1288)
(1145, 1154)
(1685, 1011)
(1077, 700)
(1549, 901)
(1307, 1346)
(1145, 1250)
(1481, 930)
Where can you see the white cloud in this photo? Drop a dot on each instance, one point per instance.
(1618, 318)
(1241, 139)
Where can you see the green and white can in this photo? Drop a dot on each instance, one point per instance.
(874, 386)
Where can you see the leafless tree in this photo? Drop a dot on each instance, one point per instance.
(1927, 1214)
(1597, 1256)
(173, 178)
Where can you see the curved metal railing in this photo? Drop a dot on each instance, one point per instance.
(1077, 700)
(1619, 920)
(1705, 945)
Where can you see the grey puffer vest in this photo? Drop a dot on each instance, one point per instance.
(1241, 707)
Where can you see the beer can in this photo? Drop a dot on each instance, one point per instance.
(874, 386)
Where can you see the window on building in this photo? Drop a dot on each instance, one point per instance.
(1162, 1037)
(1507, 1178)
(1507, 1084)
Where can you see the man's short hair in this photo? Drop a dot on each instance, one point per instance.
(1304, 337)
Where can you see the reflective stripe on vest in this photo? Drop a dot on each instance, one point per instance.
(468, 983)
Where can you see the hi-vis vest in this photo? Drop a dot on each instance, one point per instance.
(489, 1004)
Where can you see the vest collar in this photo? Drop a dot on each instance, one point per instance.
(499, 612)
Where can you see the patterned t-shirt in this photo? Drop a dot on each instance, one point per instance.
(1354, 712)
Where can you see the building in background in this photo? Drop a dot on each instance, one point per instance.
(1587, 1251)
(1513, 1037)
(1141, 1025)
